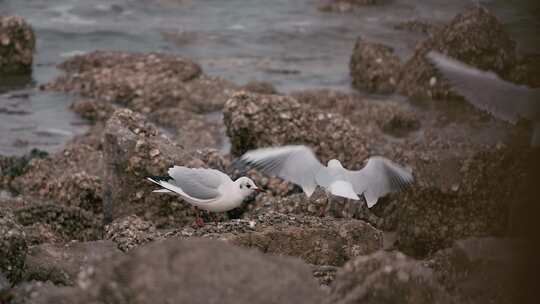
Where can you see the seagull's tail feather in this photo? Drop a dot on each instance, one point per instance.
(158, 181)
(343, 189)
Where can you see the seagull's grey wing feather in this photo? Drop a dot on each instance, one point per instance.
(379, 177)
(297, 164)
(199, 183)
(486, 91)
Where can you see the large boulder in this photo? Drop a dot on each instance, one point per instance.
(13, 247)
(143, 82)
(54, 222)
(327, 242)
(61, 264)
(490, 184)
(483, 270)
(256, 121)
(385, 277)
(134, 149)
(17, 45)
(374, 67)
(194, 271)
(71, 177)
(475, 37)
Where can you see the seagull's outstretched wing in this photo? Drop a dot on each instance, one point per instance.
(197, 184)
(379, 177)
(297, 164)
(486, 91)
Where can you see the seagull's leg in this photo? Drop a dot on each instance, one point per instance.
(214, 217)
(199, 222)
(322, 211)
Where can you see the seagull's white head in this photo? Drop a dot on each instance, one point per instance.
(334, 163)
(247, 186)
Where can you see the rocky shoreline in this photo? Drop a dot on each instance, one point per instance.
(82, 226)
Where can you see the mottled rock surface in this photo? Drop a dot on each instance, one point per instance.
(256, 121)
(17, 45)
(71, 177)
(63, 222)
(386, 277)
(374, 67)
(13, 247)
(483, 270)
(195, 271)
(490, 185)
(134, 149)
(130, 232)
(62, 263)
(475, 37)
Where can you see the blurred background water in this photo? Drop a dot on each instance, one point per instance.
(288, 43)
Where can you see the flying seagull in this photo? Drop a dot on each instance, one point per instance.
(206, 189)
(487, 92)
(298, 164)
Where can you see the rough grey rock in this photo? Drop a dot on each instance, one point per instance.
(483, 270)
(490, 184)
(374, 67)
(130, 232)
(17, 45)
(134, 149)
(13, 247)
(63, 222)
(256, 121)
(62, 263)
(195, 271)
(385, 277)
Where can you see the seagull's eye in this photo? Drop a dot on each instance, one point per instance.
(248, 185)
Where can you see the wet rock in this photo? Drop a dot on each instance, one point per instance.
(374, 67)
(17, 45)
(191, 130)
(418, 26)
(482, 270)
(319, 241)
(325, 275)
(344, 5)
(71, 177)
(13, 247)
(386, 277)
(195, 271)
(62, 263)
(93, 110)
(14, 166)
(331, 244)
(475, 37)
(67, 223)
(143, 82)
(256, 121)
(479, 204)
(527, 70)
(390, 117)
(134, 149)
(131, 232)
(260, 87)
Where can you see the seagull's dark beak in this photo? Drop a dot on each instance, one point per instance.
(260, 190)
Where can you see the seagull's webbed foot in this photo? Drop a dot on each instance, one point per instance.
(199, 222)
(322, 211)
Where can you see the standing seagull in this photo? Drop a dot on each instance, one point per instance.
(299, 165)
(487, 92)
(207, 189)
